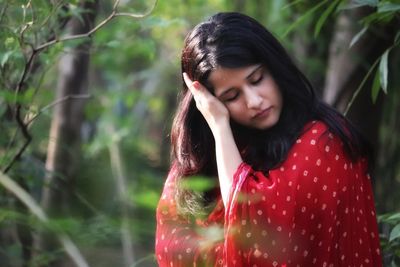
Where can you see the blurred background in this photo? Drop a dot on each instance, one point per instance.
(88, 89)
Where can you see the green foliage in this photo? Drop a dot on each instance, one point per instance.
(384, 13)
(383, 70)
(321, 21)
(308, 14)
(390, 243)
(134, 79)
(198, 184)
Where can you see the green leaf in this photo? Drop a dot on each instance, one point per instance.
(324, 17)
(292, 4)
(376, 87)
(395, 216)
(355, 94)
(388, 7)
(146, 199)
(358, 36)
(113, 43)
(397, 37)
(395, 233)
(10, 42)
(5, 58)
(28, 95)
(360, 3)
(198, 183)
(7, 96)
(304, 17)
(383, 70)
(77, 12)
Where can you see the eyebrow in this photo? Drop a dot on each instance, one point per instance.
(247, 77)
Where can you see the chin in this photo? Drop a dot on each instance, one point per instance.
(259, 127)
(268, 124)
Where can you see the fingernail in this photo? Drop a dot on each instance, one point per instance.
(196, 84)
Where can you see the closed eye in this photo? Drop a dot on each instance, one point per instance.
(231, 97)
(256, 79)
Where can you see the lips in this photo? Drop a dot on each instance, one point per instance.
(262, 113)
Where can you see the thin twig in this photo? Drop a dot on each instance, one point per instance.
(10, 144)
(77, 36)
(28, 138)
(138, 16)
(29, 4)
(365, 79)
(52, 12)
(116, 3)
(56, 102)
(29, 64)
(3, 11)
(24, 126)
(18, 155)
(17, 114)
(113, 14)
(25, 72)
(360, 86)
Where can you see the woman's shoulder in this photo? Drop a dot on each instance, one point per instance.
(314, 128)
(313, 133)
(167, 205)
(316, 149)
(172, 177)
(316, 138)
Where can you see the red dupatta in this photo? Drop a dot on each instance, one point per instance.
(316, 209)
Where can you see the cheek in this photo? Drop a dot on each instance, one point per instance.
(235, 111)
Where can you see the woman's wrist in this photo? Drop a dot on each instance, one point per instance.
(221, 128)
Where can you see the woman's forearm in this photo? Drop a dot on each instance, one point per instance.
(228, 158)
(217, 116)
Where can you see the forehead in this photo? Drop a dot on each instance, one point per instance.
(225, 78)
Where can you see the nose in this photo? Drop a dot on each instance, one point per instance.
(253, 99)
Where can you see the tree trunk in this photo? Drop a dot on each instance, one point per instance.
(346, 69)
(64, 140)
(342, 60)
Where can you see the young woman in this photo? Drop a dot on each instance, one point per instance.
(291, 174)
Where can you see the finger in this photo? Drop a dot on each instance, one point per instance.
(189, 85)
(192, 85)
(187, 80)
(195, 87)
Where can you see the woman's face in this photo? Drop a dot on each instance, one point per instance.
(250, 94)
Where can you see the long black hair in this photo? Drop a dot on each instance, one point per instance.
(234, 40)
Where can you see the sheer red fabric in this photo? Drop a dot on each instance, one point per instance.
(316, 209)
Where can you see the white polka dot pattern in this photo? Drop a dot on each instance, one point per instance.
(316, 209)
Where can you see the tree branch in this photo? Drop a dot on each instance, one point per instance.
(58, 101)
(3, 11)
(28, 138)
(360, 86)
(35, 50)
(17, 114)
(113, 14)
(116, 3)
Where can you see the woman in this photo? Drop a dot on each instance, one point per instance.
(291, 174)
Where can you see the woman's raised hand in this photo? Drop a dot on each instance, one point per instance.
(212, 109)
